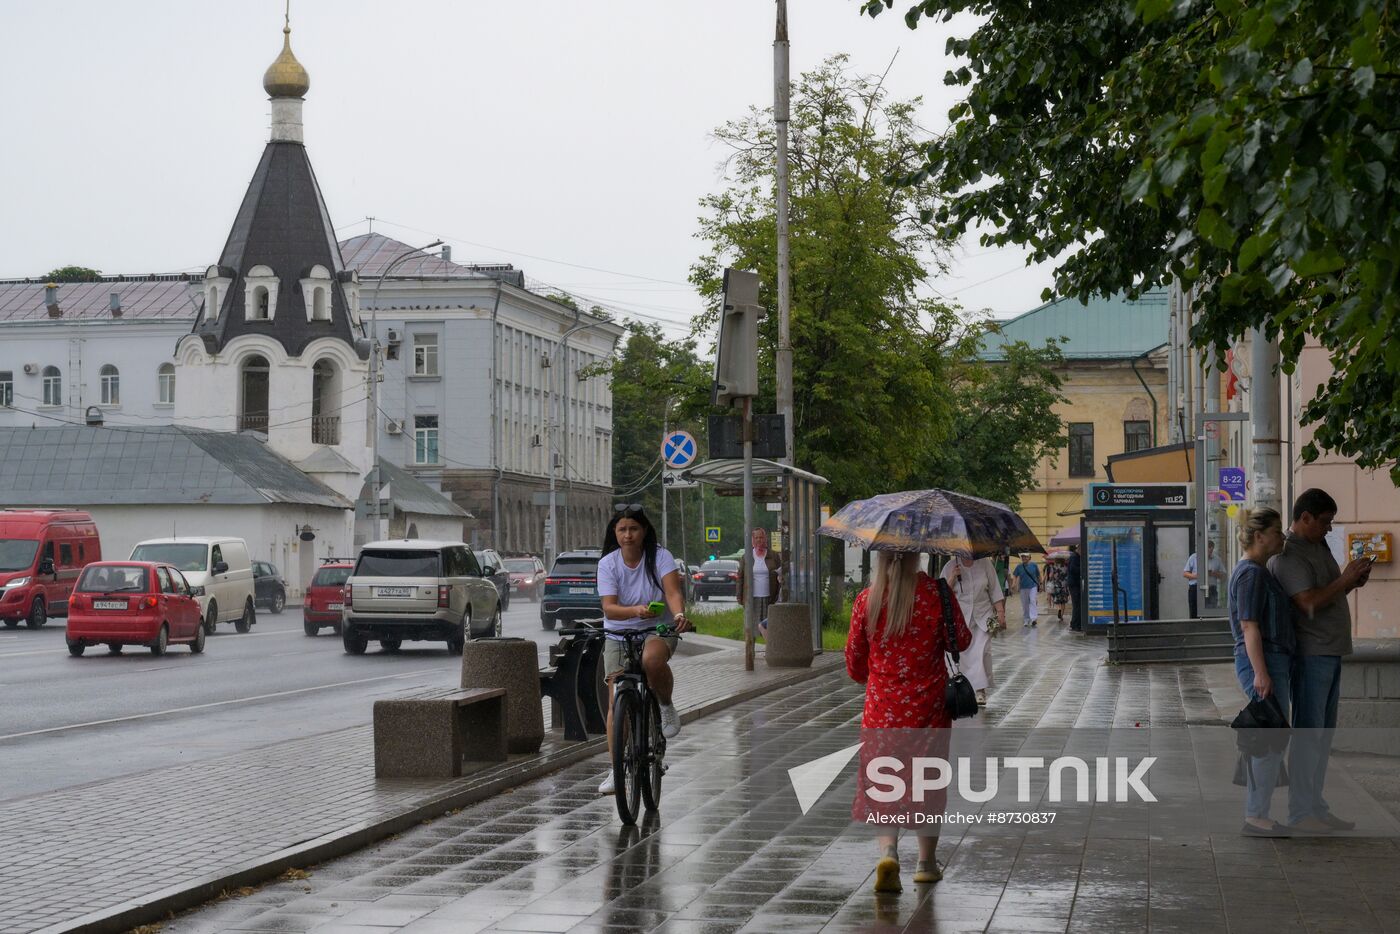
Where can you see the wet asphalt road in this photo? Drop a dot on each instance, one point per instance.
(68, 721)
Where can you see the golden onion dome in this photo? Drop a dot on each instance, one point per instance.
(285, 77)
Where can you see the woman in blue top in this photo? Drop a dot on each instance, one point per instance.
(1261, 619)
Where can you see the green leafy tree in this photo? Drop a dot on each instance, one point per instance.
(72, 274)
(1247, 148)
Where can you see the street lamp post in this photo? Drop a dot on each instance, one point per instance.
(374, 482)
(552, 543)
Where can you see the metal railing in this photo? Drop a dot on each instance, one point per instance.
(252, 423)
(325, 429)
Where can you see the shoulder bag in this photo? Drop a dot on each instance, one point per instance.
(959, 699)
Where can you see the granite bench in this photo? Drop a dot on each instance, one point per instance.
(432, 735)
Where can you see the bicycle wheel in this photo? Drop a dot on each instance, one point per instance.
(653, 755)
(627, 769)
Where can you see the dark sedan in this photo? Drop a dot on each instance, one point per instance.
(269, 589)
(716, 579)
(493, 566)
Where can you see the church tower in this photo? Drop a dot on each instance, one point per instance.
(279, 349)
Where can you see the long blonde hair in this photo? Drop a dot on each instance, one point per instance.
(893, 582)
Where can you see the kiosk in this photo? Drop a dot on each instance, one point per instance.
(1135, 539)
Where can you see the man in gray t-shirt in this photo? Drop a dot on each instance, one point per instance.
(1318, 587)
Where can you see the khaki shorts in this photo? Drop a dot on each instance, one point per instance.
(615, 652)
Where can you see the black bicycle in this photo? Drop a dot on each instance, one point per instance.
(638, 745)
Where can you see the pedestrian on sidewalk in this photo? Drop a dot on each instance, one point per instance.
(767, 578)
(1027, 582)
(634, 572)
(1318, 587)
(1074, 579)
(983, 606)
(1059, 589)
(1215, 570)
(896, 649)
(1261, 619)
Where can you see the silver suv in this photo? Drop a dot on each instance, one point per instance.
(418, 590)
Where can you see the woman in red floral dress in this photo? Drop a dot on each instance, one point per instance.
(895, 648)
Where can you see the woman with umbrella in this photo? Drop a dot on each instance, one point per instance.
(895, 648)
(898, 636)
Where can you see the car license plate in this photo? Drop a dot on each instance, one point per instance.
(337, 606)
(393, 591)
(580, 590)
(109, 604)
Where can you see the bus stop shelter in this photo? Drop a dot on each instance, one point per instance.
(800, 494)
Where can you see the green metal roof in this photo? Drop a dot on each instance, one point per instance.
(1104, 329)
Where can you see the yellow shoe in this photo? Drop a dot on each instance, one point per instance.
(887, 875)
(927, 872)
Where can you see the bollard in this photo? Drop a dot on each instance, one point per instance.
(509, 663)
(789, 636)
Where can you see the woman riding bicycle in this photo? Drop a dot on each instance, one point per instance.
(634, 572)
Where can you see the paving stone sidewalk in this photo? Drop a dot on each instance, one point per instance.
(721, 858)
(91, 857)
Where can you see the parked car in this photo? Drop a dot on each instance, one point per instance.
(219, 567)
(418, 590)
(493, 566)
(269, 589)
(571, 589)
(42, 552)
(688, 572)
(325, 597)
(719, 578)
(526, 577)
(120, 603)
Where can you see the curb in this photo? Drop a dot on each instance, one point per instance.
(157, 906)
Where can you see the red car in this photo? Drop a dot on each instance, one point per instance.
(119, 603)
(325, 597)
(526, 577)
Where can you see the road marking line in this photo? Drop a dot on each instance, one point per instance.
(289, 632)
(222, 703)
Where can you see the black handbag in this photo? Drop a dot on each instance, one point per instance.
(959, 699)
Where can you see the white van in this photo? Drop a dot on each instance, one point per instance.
(218, 569)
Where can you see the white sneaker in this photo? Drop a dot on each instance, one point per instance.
(607, 787)
(670, 721)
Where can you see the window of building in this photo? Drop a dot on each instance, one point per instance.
(7, 389)
(425, 355)
(1081, 449)
(261, 304)
(53, 386)
(165, 384)
(320, 310)
(425, 439)
(111, 385)
(253, 395)
(1137, 436)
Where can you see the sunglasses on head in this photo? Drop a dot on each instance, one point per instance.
(628, 509)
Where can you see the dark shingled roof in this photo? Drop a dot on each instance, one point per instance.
(283, 224)
(83, 466)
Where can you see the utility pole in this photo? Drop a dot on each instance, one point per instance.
(665, 433)
(1264, 421)
(781, 94)
(552, 539)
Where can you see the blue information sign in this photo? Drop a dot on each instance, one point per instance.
(1100, 546)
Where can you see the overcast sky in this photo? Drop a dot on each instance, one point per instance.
(571, 139)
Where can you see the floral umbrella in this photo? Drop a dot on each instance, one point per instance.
(938, 521)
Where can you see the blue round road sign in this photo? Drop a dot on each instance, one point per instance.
(679, 449)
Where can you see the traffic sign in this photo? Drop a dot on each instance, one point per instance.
(712, 535)
(672, 480)
(1232, 483)
(679, 449)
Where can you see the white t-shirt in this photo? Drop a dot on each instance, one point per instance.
(977, 589)
(761, 587)
(633, 586)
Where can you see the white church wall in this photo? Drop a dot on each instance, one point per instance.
(271, 532)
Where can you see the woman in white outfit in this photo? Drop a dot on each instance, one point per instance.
(974, 583)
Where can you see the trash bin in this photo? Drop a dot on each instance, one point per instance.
(512, 664)
(789, 641)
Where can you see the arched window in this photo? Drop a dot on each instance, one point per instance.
(260, 304)
(165, 384)
(253, 394)
(325, 403)
(320, 309)
(111, 385)
(53, 386)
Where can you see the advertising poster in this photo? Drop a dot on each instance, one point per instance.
(1132, 603)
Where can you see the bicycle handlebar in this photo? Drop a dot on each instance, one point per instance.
(659, 630)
